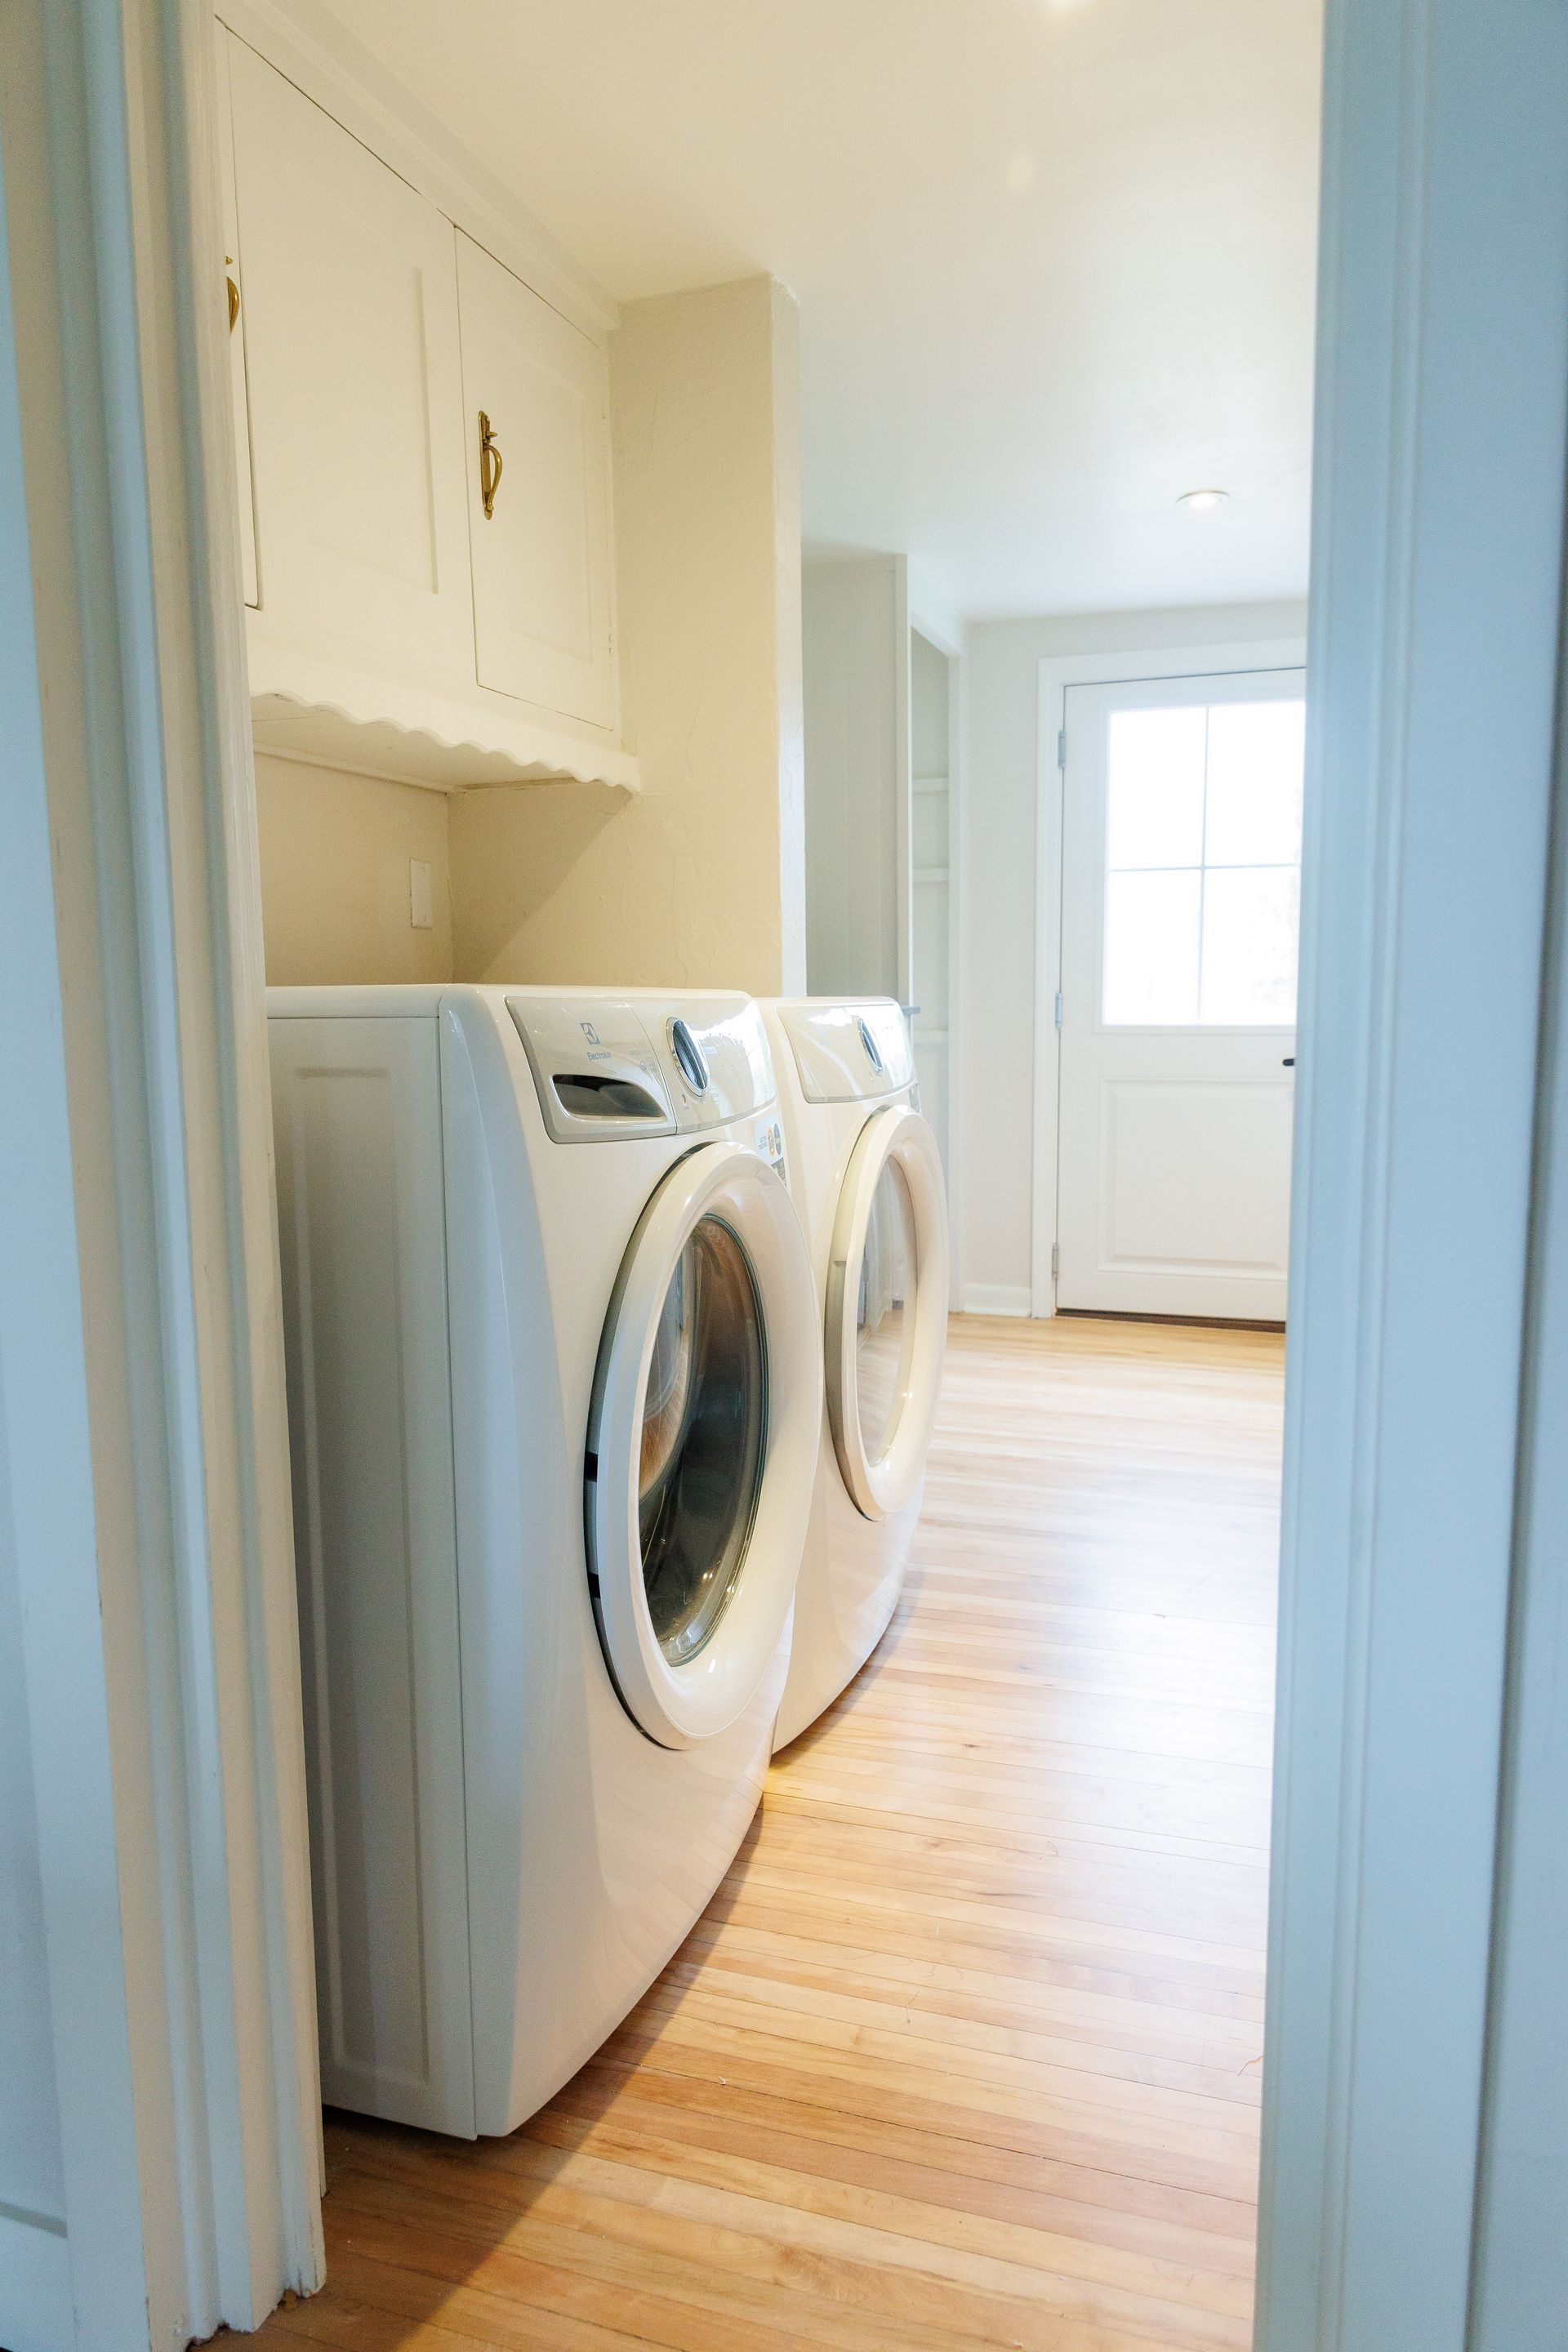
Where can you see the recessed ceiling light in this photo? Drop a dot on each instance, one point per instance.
(1202, 501)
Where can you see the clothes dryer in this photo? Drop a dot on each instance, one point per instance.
(555, 1393)
(866, 1176)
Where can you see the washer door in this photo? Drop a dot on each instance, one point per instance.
(887, 1311)
(702, 1444)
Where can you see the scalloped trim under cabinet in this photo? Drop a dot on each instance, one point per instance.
(380, 726)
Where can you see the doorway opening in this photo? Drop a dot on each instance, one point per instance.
(1168, 907)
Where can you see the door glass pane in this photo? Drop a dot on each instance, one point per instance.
(704, 1431)
(884, 1315)
(1152, 929)
(1252, 814)
(1249, 944)
(1203, 847)
(1155, 785)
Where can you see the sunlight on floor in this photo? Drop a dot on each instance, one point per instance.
(966, 2049)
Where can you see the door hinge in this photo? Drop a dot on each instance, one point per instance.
(1061, 747)
(1058, 1008)
(1055, 1259)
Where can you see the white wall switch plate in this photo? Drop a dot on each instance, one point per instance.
(421, 902)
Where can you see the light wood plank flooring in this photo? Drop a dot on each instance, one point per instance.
(966, 2050)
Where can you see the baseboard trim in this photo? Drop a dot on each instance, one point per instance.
(996, 1298)
(1197, 1322)
(36, 2306)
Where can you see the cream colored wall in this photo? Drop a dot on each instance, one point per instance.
(700, 880)
(335, 852)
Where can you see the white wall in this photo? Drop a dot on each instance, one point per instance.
(995, 1049)
(335, 853)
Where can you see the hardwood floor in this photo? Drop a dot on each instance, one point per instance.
(966, 2050)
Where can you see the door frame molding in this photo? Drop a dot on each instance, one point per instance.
(1056, 673)
(1432, 745)
(157, 1594)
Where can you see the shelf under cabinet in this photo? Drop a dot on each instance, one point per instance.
(371, 726)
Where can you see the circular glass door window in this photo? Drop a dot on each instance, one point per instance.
(703, 1433)
(884, 1322)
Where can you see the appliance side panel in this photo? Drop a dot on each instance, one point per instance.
(357, 1108)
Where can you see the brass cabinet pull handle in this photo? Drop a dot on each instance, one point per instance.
(490, 466)
(233, 304)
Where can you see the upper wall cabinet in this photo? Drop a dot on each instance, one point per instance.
(356, 391)
(233, 273)
(422, 606)
(538, 494)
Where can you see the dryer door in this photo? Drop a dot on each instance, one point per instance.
(887, 1311)
(702, 1444)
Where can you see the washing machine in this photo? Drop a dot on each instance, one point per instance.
(865, 1175)
(555, 1390)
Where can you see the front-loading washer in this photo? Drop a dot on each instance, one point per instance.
(865, 1175)
(554, 1399)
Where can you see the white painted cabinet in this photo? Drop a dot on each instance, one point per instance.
(355, 389)
(233, 278)
(537, 395)
(402, 622)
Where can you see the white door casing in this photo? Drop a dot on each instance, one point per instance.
(355, 391)
(145, 1514)
(1180, 839)
(541, 555)
(1441, 411)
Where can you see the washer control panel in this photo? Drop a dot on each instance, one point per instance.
(851, 1051)
(608, 1067)
(714, 1054)
(595, 1072)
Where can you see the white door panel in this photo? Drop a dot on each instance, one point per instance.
(1159, 1140)
(1180, 856)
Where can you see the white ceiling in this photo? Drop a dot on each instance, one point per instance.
(1054, 258)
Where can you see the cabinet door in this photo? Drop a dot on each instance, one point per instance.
(542, 554)
(355, 391)
(236, 320)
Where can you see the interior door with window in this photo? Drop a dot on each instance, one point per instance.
(1181, 863)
